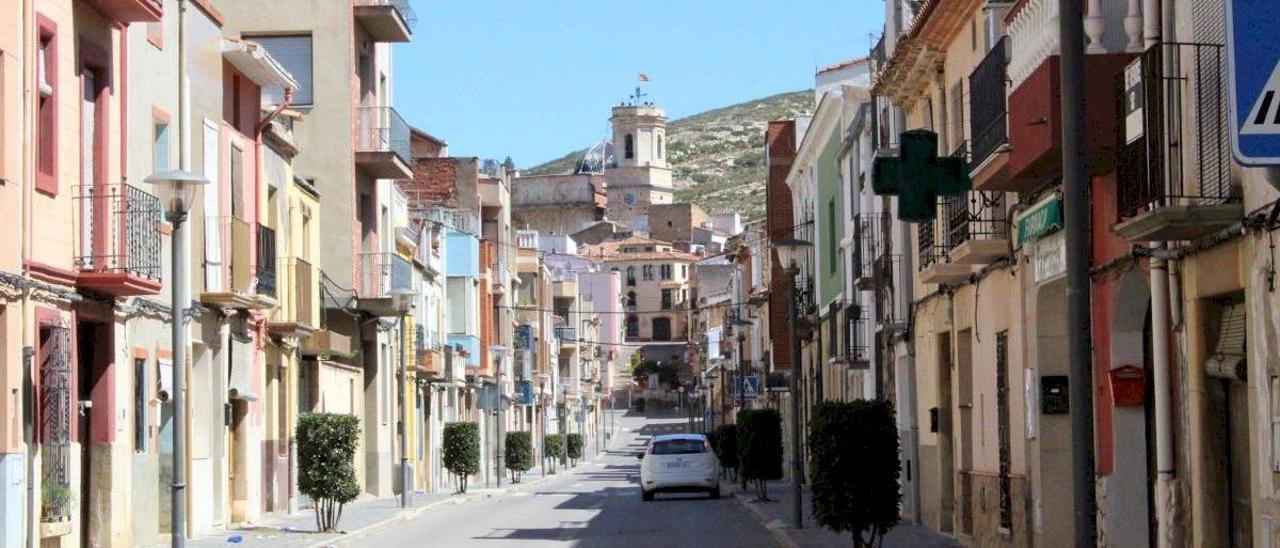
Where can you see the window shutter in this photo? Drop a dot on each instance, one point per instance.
(457, 305)
(294, 54)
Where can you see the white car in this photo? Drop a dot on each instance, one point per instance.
(679, 463)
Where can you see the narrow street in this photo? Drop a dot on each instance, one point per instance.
(595, 504)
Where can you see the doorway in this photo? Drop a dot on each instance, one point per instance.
(93, 355)
(946, 441)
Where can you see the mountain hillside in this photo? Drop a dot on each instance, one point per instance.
(717, 157)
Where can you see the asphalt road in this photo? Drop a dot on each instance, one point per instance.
(596, 504)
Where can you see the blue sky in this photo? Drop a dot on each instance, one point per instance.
(534, 79)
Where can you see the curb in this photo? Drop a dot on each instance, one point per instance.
(402, 515)
(778, 530)
(407, 515)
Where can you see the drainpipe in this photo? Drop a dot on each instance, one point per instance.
(288, 100)
(1161, 20)
(1160, 317)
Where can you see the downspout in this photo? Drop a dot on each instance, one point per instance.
(288, 99)
(1158, 21)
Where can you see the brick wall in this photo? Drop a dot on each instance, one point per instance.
(780, 152)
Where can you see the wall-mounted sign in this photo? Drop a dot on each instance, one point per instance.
(1134, 101)
(1040, 220)
(1049, 258)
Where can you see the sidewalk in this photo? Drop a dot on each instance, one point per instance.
(776, 516)
(360, 517)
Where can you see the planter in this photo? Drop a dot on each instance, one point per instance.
(51, 529)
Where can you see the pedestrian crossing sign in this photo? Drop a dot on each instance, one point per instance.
(1254, 75)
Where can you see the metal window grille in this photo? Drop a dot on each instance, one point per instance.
(55, 414)
(1003, 427)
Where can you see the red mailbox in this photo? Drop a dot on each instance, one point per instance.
(1128, 386)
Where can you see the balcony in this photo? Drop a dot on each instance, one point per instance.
(431, 363)
(933, 243)
(386, 20)
(119, 240)
(380, 274)
(382, 143)
(248, 288)
(856, 352)
(324, 343)
(1175, 185)
(869, 246)
(568, 339)
(301, 313)
(989, 120)
(892, 312)
(527, 239)
(977, 228)
(129, 11)
(1034, 105)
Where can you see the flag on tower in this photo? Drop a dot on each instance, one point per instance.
(644, 77)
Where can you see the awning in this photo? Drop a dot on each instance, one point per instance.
(254, 61)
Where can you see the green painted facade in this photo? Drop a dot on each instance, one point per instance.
(830, 271)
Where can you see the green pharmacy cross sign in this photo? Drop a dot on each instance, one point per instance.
(918, 176)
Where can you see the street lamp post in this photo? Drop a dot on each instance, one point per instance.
(790, 251)
(177, 192)
(402, 301)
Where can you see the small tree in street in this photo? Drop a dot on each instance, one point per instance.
(760, 448)
(575, 448)
(854, 468)
(726, 446)
(326, 464)
(554, 449)
(519, 453)
(462, 450)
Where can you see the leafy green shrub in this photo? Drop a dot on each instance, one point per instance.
(462, 450)
(760, 448)
(326, 464)
(727, 446)
(519, 453)
(554, 449)
(575, 448)
(854, 468)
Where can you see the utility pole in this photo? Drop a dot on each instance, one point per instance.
(1076, 206)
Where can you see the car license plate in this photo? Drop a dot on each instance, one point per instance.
(675, 465)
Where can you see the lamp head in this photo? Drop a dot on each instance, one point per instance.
(176, 190)
(791, 250)
(402, 299)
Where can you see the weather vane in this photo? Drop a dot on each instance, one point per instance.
(635, 99)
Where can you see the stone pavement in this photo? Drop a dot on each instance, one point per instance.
(776, 516)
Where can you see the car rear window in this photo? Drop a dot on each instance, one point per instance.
(679, 447)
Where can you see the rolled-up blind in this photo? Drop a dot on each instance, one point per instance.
(294, 54)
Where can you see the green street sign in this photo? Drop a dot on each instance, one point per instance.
(1040, 220)
(918, 176)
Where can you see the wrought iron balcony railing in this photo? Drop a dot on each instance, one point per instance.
(988, 103)
(870, 243)
(976, 215)
(119, 230)
(381, 129)
(930, 247)
(266, 266)
(1177, 154)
